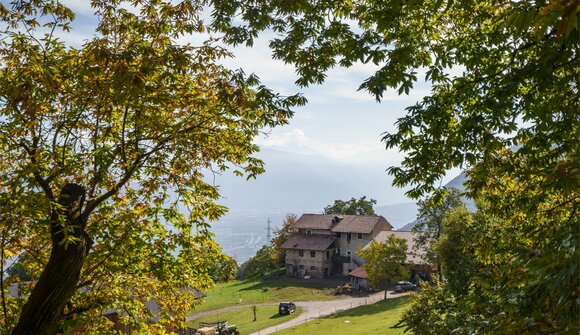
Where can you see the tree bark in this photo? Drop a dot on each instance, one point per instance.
(44, 309)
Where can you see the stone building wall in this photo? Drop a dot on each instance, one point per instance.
(304, 264)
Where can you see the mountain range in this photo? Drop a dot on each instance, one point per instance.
(304, 183)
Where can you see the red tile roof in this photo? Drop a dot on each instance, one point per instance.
(359, 272)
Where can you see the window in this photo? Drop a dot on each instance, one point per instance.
(300, 267)
(312, 268)
(349, 255)
(348, 236)
(359, 236)
(338, 235)
(327, 254)
(301, 231)
(309, 232)
(338, 251)
(313, 254)
(301, 253)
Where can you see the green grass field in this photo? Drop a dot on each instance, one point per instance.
(258, 291)
(378, 318)
(266, 316)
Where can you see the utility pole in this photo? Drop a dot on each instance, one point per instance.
(268, 231)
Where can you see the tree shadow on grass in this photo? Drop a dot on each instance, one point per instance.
(278, 316)
(287, 316)
(245, 282)
(280, 283)
(376, 308)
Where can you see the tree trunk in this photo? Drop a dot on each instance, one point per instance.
(385, 298)
(44, 309)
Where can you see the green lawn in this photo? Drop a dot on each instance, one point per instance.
(266, 316)
(259, 291)
(378, 318)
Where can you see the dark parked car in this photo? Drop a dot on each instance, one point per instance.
(286, 308)
(404, 286)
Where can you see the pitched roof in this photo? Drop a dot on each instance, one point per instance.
(414, 256)
(339, 223)
(314, 221)
(308, 242)
(359, 272)
(358, 224)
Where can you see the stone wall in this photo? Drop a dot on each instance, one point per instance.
(306, 265)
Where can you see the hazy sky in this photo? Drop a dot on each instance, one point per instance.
(338, 122)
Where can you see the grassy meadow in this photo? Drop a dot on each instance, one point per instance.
(256, 291)
(243, 318)
(379, 318)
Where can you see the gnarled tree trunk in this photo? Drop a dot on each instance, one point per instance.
(44, 309)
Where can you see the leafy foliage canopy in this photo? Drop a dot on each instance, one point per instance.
(103, 151)
(503, 73)
(353, 206)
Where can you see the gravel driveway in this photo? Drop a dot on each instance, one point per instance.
(310, 309)
(315, 309)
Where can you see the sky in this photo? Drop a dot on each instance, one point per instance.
(338, 122)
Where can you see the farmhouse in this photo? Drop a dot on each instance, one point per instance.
(323, 245)
(420, 269)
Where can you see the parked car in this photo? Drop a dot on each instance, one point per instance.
(404, 286)
(286, 308)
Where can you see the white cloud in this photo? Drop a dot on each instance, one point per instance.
(336, 148)
(342, 151)
(342, 92)
(82, 7)
(258, 60)
(292, 138)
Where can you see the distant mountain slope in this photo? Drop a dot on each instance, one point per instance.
(300, 183)
(458, 183)
(398, 214)
(409, 226)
